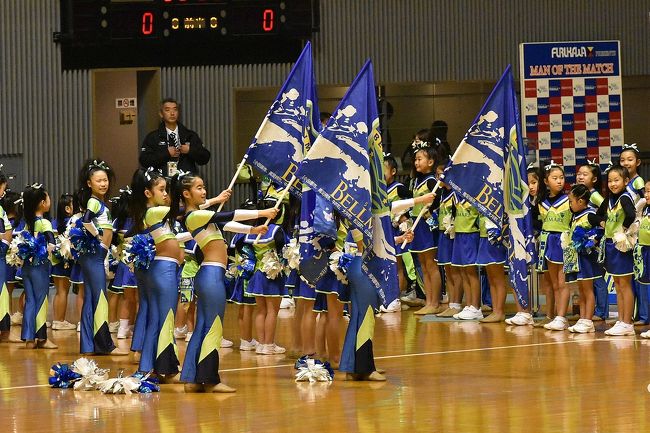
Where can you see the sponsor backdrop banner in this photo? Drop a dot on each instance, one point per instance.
(572, 104)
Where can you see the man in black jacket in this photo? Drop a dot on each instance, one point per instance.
(172, 146)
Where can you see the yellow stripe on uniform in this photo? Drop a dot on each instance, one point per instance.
(367, 328)
(101, 313)
(166, 336)
(41, 316)
(212, 339)
(4, 301)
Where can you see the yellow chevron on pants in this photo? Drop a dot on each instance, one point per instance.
(4, 301)
(212, 339)
(41, 316)
(367, 329)
(166, 336)
(101, 313)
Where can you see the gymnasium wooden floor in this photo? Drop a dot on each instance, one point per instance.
(442, 376)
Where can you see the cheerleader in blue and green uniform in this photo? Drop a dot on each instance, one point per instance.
(631, 159)
(425, 241)
(590, 175)
(581, 254)
(61, 267)
(242, 270)
(619, 212)
(464, 257)
(268, 291)
(94, 182)
(151, 215)
(446, 211)
(5, 240)
(201, 366)
(36, 267)
(555, 214)
(642, 248)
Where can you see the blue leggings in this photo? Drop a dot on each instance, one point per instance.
(201, 363)
(36, 280)
(5, 299)
(602, 298)
(95, 336)
(641, 301)
(137, 342)
(159, 352)
(357, 355)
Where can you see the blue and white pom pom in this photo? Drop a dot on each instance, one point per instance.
(120, 384)
(339, 264)
(247, 263)
(82, 241)
(90, 374)
(148, 384)
(62, 376)
(140, 251)
(291, 253)
(432, 221)
(314, 370)
(271, 265)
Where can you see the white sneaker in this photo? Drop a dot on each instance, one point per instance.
(188, 336)
(645, 334)
(274, 349)
(393, 307)
(17, 318)
(583, 326)
(469, 313)
(247, 346)
(124, 333)
(287, 303)
(521, 319)
(412, 299)
(180, 332)
(559, 323)
(225, 343)
(621, 329)
(63, 326)
(113, 327)
(260, 349)
(456, 316)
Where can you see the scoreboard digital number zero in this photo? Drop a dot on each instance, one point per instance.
(120, 33)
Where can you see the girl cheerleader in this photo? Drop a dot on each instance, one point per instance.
(580, 260)
(94, 183)
(555, 214)
(425, 243)
(589, 175)
(61, 267)
(631, 159)
(12, 205)
(160, 281)
(619, 213)
(464, 258)
(5, 240)
(239, 297)
(124, 284)
(268, 290)
(201, 366)
(642, 248)
(36, 269)
(446, 245)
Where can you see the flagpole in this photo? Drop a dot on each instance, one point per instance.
(277, 204)
(423, 211)
(234, 179)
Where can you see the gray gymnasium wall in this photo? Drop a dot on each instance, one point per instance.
(47, 113)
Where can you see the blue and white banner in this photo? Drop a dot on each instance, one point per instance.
(290, 126)
(345, 165)
(493, 152)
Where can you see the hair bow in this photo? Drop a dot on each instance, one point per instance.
(36, 185)
(20, 200)
(101, 164)
(1, 165)
(419, 144)
(551, 165)
(592, 162)
(182, 173)
(632, 146)
(609, 166)
(531, 165)
(148, 174)
(126, 190)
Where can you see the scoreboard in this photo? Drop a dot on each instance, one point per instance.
(123, 33)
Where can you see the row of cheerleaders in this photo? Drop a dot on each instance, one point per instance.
(162, 232)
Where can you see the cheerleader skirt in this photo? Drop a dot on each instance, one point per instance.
(423, 238)
(588, 268)
(239, 295)
(618, 263)
(260, 285)
(465, 249)
(490, 254)
(445, 249)
(330, 285)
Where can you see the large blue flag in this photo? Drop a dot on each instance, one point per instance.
(345, 165)
(493, 152)
(290, 126)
